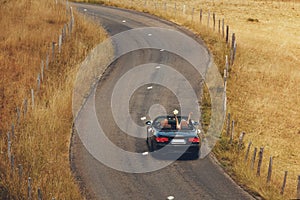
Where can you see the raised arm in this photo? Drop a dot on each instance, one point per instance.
(177, 123)
(189, 118)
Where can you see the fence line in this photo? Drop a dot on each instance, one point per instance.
(24, 107)
(260, 155)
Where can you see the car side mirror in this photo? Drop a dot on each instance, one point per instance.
(148, 123)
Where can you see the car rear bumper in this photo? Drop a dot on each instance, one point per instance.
(173, 148)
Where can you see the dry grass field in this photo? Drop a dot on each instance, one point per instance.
(41, 140)
(263, 90)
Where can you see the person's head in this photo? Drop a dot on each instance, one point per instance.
(164, 122)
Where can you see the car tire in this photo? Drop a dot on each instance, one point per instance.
(151, 149)
(147, 140)
(196, 155)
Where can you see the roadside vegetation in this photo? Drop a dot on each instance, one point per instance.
(263, 89)
(41, 140)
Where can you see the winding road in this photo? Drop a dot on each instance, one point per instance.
(182, 179)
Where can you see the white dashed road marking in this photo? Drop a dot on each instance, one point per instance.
(143, 118)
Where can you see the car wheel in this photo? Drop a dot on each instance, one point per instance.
(147, 140)
(196, 155)
(151, 149)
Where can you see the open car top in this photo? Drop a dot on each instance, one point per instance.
(161, 121)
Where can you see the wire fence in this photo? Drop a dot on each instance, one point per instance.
(255, 158)
(54, 49)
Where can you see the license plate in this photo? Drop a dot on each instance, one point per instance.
(178, 141)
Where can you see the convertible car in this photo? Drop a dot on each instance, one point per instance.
(173, 134)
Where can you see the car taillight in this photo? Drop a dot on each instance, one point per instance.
(194, 140)
(162, 139)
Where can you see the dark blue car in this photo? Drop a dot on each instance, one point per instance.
(173, 134)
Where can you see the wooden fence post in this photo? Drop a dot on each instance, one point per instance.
(40, 196)
(12, 130)
(233, 40)
(228, 124)
(227, 34)
(25, 107)
(253, 158)
(18, 115)
(231, 132)
(200, 16)
(29, 189)
(260, 157)
(42, 70)
(219, 29)
(231, 57)
(225, 79)
(241, 138)
(20, 172)
(270, 170)
(224, 94)
(32, 98)
(284, 182)
(227, 66)
(38, 83)
(248, 150)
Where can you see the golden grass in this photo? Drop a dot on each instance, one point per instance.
(41, 142)
(263, 90)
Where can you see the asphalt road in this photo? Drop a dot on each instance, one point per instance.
(182, 179)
